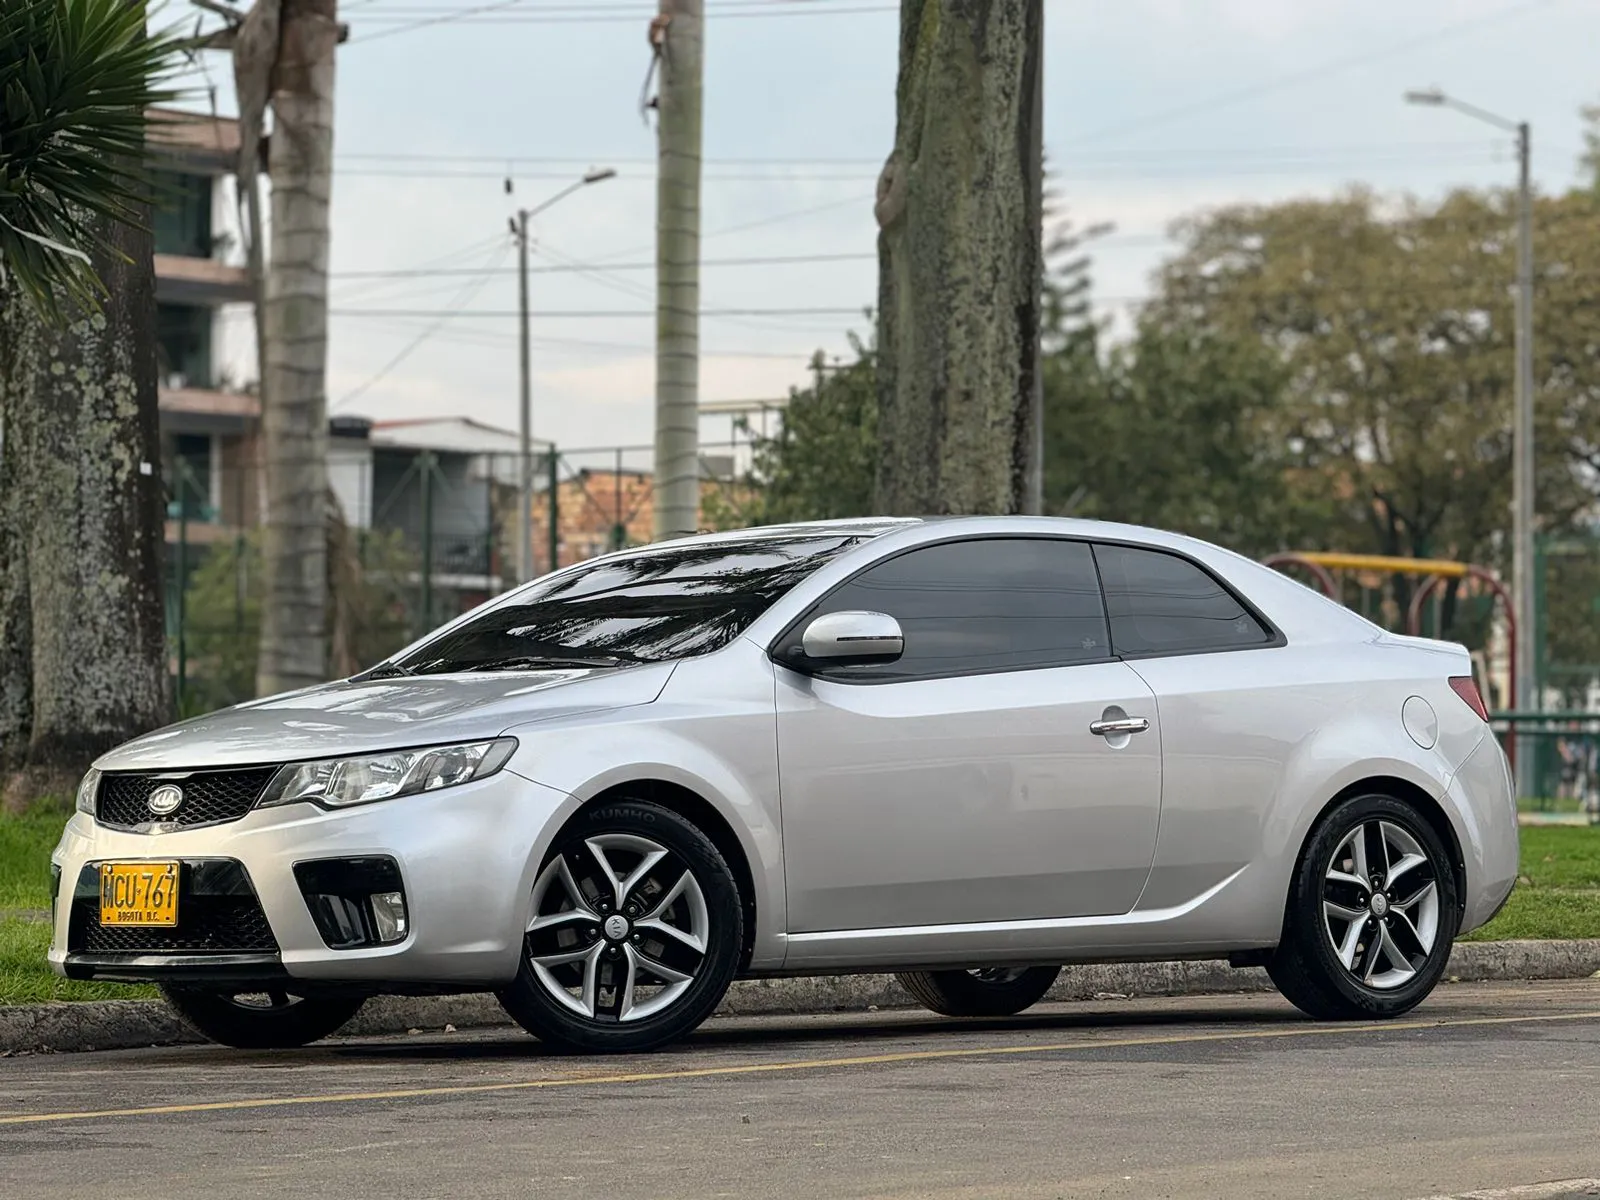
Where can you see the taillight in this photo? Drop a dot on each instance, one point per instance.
(1467, 689)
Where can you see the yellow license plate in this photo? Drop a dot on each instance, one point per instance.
(142, 893)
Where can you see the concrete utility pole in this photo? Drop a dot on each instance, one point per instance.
(677, 451)
(524, 408)
(1033, 482)
(1523, 481)
(519, 230)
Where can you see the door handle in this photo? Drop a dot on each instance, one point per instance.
(1121, 725)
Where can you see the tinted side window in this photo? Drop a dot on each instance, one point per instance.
(1163, 604)
(981, 606)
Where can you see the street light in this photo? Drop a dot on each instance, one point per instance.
(1522, 470)
(519, 230)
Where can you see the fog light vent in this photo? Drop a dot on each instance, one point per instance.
(355, 902)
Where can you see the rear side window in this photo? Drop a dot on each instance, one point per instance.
(1162, 604)
(975, 607)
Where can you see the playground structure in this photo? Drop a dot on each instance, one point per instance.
(1322, 564)
(1562, 748)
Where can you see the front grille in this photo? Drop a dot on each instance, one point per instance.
(218, 913)
(209, 797)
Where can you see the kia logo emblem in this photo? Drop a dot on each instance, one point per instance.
(165, 799)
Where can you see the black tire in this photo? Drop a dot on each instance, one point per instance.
(984, 992)
(623, 953)
(1307, 967)
(283, 1022)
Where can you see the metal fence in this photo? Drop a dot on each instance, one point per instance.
(1566, 760)
(424, 534)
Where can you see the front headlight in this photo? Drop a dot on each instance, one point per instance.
(87, 790)
(338, 782)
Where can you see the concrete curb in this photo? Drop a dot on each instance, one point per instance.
(121, 1024)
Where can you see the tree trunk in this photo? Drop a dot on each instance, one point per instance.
(294, 421)
(83, 662)
(20, 338)
(959, 261)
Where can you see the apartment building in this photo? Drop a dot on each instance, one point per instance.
(208, 421)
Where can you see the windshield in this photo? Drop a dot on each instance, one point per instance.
(662, 603)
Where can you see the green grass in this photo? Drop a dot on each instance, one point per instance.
(26, 978)
(1543, 913)
(1557, 856)
(1550, 804)
(25, 975)
(1558, 893)
(25, 845)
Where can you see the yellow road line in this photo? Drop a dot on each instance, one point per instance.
(812, 1064)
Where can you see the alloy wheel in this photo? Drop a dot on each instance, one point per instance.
(620, 928)
(1380, 904)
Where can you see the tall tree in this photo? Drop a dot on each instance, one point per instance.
(1589, 161)
(959, 251)
(1393, 323)
(821, 462)
(82, 630)
(1180, 428)
(283, 59)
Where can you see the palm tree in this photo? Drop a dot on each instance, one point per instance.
(82, 629)
(76, 77)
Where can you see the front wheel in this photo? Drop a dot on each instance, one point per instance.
(635, 933)
(1372, 912)
(981, 992)
(272, 1020)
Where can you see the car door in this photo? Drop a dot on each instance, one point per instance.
(1233, 700)
(963, 782)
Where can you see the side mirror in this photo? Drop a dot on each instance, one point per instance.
(845, 638)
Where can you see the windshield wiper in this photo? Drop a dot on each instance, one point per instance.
(387, 671)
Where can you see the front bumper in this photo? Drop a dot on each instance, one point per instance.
(467, 856)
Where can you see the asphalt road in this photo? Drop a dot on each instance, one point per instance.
(1487, 1086)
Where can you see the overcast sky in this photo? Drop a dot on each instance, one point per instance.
(1154, 109)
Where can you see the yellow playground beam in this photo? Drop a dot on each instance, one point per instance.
(1335, 561)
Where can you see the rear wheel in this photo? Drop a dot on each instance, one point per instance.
(981, 992)
(1372, 913)
(635, 933)
(272, 1020)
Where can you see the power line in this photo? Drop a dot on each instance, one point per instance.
(489, 337)
(631, 7)
(573, 266)
(463, 298)
(491, 14)
(458, 15)
(511, 160)
(535, 18)
(584, 314)
(453, 256)
(1078, 174)
(1119, 155)
(777, 218)
(1395, 50)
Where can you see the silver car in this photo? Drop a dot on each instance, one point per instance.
(965, 750)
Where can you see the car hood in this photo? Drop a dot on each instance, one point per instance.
(350, 717)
